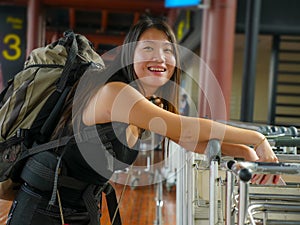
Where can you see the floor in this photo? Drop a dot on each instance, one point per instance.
(138, 204)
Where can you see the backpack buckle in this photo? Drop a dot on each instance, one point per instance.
(21, 133)
(107, 188)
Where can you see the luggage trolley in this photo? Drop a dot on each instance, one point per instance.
(188, 203)
(249, 204)
(264, 204)
(232, 200)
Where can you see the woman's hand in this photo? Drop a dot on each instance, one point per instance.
(265, 154)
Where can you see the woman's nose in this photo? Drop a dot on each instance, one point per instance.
(158, 56)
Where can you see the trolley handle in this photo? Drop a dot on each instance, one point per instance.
(284, 141)
(245, 169)
(213, 150)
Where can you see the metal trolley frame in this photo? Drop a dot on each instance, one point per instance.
(240, 205)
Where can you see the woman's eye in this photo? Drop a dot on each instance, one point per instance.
(169, 50)
(148, 48)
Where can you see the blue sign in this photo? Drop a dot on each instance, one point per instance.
(181, 3)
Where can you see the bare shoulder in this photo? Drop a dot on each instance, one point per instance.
(112, 88)
(98, 109)
(112, 95)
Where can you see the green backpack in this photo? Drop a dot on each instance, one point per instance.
(31, 103)
(31, 106)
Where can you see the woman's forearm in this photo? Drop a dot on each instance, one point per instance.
(239, 151)
(227, 149)
(239, 135)
(204, 129)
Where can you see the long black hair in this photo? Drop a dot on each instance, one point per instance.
(170, 90)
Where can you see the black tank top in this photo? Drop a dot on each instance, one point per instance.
(94, 159)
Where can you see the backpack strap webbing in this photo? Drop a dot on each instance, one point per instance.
(91, 203)
(6, 91)
(70, 60)
(90, 197)
(46, 146)
(112, 204)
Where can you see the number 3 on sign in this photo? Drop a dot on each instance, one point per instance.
(13, 42)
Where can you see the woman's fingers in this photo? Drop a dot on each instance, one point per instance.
(256, 178)
(267, 179)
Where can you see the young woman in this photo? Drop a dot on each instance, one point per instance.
(155, 69)
(136, 92)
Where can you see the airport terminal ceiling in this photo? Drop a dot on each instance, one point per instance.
(103, 20)
(114, 5)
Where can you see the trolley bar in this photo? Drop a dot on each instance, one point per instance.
(259, 207)
(213, 154)
(267, 167)
(229, 214)
(244, 171)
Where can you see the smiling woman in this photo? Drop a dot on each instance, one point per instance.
(113, 107)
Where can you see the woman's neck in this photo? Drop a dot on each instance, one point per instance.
(149, 91)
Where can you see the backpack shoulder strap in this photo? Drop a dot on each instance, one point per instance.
(5, 90)
(44, 147)
(112, 204)
(89, 198)
(70, 60)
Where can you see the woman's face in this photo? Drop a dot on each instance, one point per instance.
(154, 60)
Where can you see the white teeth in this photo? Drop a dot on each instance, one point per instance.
(156, 69)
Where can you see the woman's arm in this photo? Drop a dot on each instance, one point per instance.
(228, 149)
(239, 151)
(119, 102)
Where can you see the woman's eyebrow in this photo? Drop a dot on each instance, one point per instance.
(168, 44)
(156, 41)
(147, 41)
